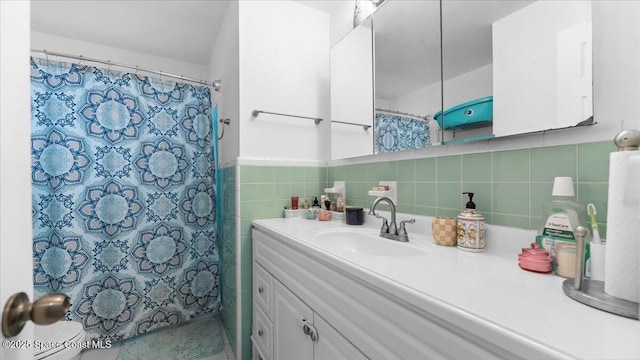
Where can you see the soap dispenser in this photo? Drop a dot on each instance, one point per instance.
(470, 228)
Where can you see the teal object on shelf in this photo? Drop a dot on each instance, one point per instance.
(470, 114)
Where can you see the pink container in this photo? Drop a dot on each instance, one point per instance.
(535, 259)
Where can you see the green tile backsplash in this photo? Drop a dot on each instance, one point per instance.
(264, 192)
(510, 186)
(510, 189)
(549, 162)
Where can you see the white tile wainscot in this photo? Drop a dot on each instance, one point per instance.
(447, 304)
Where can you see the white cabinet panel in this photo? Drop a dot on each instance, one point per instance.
(331, 345)
(262, 332)
(289, 312)
(262, 289)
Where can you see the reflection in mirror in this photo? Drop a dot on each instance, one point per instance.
(351, 94)
(532, 57)
(407, 74)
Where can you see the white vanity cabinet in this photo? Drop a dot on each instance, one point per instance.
(440, 303)
(351, 318)
(292, 330)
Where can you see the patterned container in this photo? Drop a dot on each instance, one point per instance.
(471, 231)
(444, 231)
(294, 214)
(338, 216)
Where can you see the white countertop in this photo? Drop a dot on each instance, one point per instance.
(487, 290)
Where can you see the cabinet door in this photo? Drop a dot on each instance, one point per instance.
(289, 339)
(331, 344)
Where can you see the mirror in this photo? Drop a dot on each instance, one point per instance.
(525, 63)
(351, 93)
(407, 74)
(533, 58)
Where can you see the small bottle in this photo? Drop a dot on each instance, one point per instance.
(562, 215)
(471, 228)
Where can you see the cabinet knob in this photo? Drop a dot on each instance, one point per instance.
(260, 290)
(308, 329)
(260, 333)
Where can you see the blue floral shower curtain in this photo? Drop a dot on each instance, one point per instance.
(124, 197)
(396, 133)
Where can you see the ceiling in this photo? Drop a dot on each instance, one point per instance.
(183, 30)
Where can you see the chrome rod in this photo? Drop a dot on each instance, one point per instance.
(255, 113)
(365, 127)
(216, 85)
(418, 117)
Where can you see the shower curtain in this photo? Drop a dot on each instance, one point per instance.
(396, 133)
(124, 197)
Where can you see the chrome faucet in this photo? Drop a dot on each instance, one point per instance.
(391, 230)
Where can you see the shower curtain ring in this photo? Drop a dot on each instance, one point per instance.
(46, 55)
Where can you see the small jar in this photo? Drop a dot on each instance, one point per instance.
(444, 231)
(355, 215)
(324, 215)
(310, 214)
(565, 260)
(535, 259)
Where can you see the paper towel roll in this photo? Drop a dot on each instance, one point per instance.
(621, 261)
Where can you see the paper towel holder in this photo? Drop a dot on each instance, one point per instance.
(591, 292)
(627, 140)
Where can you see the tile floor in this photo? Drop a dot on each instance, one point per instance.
(112, 354)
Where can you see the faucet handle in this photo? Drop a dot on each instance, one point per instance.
(385, 224)
(402, 229)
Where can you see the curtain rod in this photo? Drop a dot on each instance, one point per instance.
(216, 85)
(425, 118)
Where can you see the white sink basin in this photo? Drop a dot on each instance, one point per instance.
(363, 242)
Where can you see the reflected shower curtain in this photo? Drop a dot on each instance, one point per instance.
(397, 133)
(124, 197)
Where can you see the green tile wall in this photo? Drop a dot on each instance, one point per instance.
(264, 192)
(228, 253)
(510, 186)
(510, 189)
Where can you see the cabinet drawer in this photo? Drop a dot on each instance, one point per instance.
(263, 289)
(262, 333)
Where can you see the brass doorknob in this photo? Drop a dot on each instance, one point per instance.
(44, 311)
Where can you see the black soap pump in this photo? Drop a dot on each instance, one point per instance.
(471, 227)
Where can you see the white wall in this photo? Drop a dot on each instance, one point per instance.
(284, 68)
(341, 22)
(15, 168)
(224, 65)
(40, 41)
